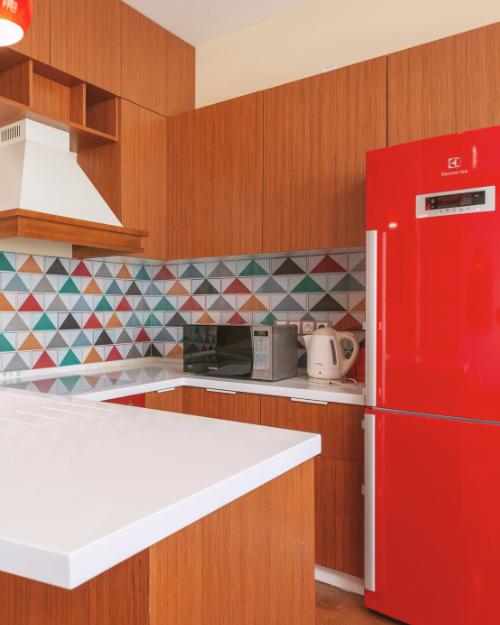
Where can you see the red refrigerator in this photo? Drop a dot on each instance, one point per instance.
(432, 426)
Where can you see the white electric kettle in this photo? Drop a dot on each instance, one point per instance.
(326, 359)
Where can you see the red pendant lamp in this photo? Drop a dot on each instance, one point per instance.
(15, 19)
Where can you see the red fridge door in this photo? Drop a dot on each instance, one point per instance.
(436, 314)
(433, 509)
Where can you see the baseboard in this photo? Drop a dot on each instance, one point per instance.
(340, 580)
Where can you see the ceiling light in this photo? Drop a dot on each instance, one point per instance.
(15, 19)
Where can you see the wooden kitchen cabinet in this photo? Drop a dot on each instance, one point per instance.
(243, 407)
(215, 180)
(175, 400)
(85, 41)
(339, 543)
(445, 86)
(317, 132)
(36, 42)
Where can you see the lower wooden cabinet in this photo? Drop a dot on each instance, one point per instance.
(338, 487)
(339, 543)
(174, 400)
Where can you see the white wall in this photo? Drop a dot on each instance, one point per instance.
(326, 33)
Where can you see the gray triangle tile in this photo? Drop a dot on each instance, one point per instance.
(153, 352)
(57, 305)
(103, 272)
(44, 286)
(16, 324)
(189, 271)
(16, 364)
(153, 290)
(164, 336)
(142, 305)
(289, 266)
(270, 286)
(124, 338)
(82, 340)
(133, 353)
(57, 341)
(325, 303)
(361, 266)
(16, 283)
(81, 305)
(133, 289)
(221, 303)
(221, 270)
(348, 283)
(57, 268)
(114, 289)
(205, 288)
(288, 304)
(133, 322)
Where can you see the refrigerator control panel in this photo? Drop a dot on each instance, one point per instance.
(463, 201)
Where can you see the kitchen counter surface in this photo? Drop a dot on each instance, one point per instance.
(85, 486)
(104, 382)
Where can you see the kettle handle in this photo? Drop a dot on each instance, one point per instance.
(347, 363)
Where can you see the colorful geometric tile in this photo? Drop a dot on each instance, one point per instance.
(205, 287)
(243, 318)
(124, 303)
(93, 355)
(93, 286)
(124, 272)
(141, 304)
(46, 385)
(46, 284)
(133, 320)
(142, 272)
(114, 353)
(134, 351)
(193, 302)
(357, 302)
(237, 285)
(207, 318)
(114, 320)
(268, 319)
(133, 288)
(288, 303)
(155, 350)
(7, 302)
(178, 287)
(69, 357)
(29, 302)
(347, 322)
(83, 338)
(16, 362)
(80, 303)
(336, 263)
(153, 288)
(141, 335)
(73, 321)
(165, 272)
(57, 303)
(277, 284)
(173, 350)
(163, 336)
(164, 303)
(80, 268)
(29, 264)
(16, 322)
(44, 360)
(302, 362)
(289, 265)
(191, 270)
(104, 303)
(7, 261)
(103, 337)
(92, 321)
(357, 261)
(221, 302)
(318, 302)
(56, 266)
(177, 319)
(124, 337)
(256, 303)
(253, 267)
(57, 340)
(44, 321)
(29, 341)
(316, 316)
(8, 342)
(114, 287)
(342, 283)
(308, 284)
(16, 283)
(153, 320)
(69, 285)
(104, 270)
(223, 269)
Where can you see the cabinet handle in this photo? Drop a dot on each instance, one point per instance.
(165, 390)
(309, 401)
(216, 390)
(369, 488)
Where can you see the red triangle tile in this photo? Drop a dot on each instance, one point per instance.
(31, 305)
(191, 304)
(236, 318)
(348, 324)
(124, 305)
(237, 286)
(114, 354)
(143, 336)
(93, 323)
(44, 386)
(328, 265)
(164, 274)
(81, 270)
(43, 362)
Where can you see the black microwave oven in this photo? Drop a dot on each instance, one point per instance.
(255, 352)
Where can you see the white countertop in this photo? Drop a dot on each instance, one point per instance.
(85, 486)
(103, 382)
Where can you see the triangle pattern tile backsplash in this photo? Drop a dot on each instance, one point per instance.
(61, 312)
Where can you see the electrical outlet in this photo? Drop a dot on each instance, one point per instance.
(323, 324)
(307, 327)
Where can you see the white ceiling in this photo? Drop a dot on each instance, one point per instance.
(202, 21)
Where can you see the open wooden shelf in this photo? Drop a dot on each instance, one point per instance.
(89, 239)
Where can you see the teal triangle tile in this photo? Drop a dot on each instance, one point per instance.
(142, 305)
(152, 352)
(206, 288)
(308, 285)
(44, 323)
(114, 289)
(164, 336)
(57, 341)
(327, 303)
(164, 304)
(44, 286)
(221, 271)
(82, 340)
(143, 274)
(288, 267)
(153, 320)
(81, 305)
(152, 290)
(57, 305)
(191, 272)
(268, 320)
(16, 324)
(253, 269)
(348, 283)
(7, 261)
(133, 322)
(221, 303)
(70, 381)
(69, 287)
(70, 323)
(133, 289)
(104, 305)
(124, 338)
(103, 272)
(104, 339)
(16, 284)
(16, 364)
(7, 345)
(133, 353)
(270, 286)
(288, 304)
(57, 269)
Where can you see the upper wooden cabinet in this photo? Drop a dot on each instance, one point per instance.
(215, 158)
(85, 41)
(36, 42)
(317, 132)
(157, 67)
(446, 86)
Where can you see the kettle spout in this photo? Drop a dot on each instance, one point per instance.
(307, 339)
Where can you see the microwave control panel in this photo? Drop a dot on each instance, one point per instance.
(261, 351)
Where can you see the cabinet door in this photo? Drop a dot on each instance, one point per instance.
(445, 86)
(317, 132)
(216, 180)
(174, 400)
(36, 42)
(143, 168)
(243, 407)
(85, 41)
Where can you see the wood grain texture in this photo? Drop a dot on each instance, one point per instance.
(343, 489)
(85, 41)
(338, 424)
(339, 543)
(143, 175)
(445, 86)
(103, 116)
(36, 42)
(144, 61)
(78, 104)
(216, 179)
(174, 401)
(180, 76)
(17, 83)
(242, 407)
(317, 132)
(52, 98)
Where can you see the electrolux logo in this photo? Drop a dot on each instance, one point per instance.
(454, 163)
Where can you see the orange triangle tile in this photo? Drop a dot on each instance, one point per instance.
(5, 304)
(114, 322)
(177, 352)
(360, 306)
(178, 289)
(93, 357)
(93, 288)
(31, 343)
(205, 318)
(253, 303)
(30, 266)
(124, 273)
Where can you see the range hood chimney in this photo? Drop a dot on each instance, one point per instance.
(48, 195)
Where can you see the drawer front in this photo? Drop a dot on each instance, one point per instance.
(172, 400)
(139, 401)
(337, 487)
(229, 406)
(339, 543)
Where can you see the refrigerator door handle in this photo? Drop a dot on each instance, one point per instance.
(371, 318)
(369, 427)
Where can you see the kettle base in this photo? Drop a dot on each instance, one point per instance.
(340, 381)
